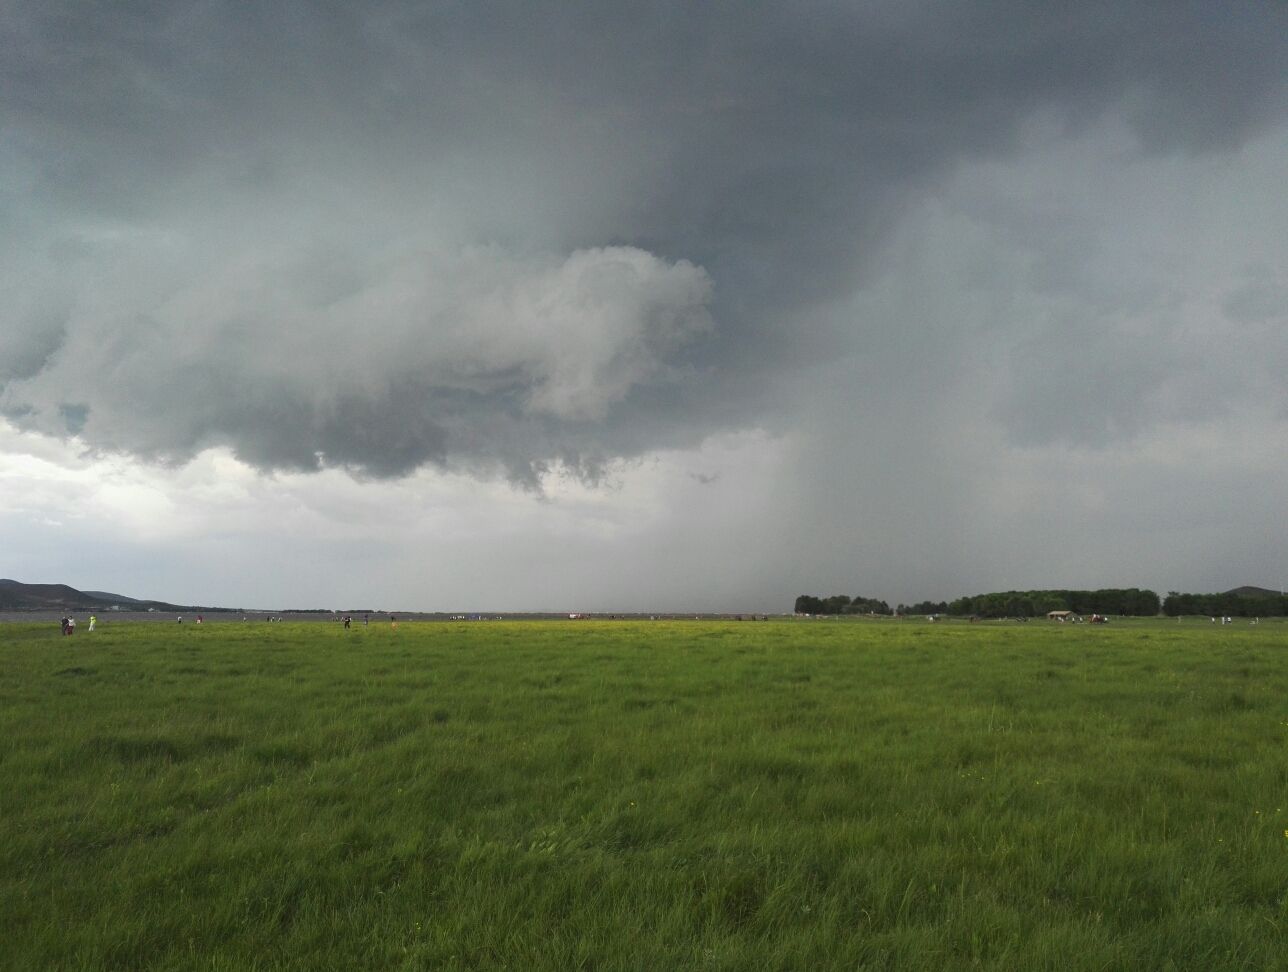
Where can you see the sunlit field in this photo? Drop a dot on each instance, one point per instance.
(644, 795)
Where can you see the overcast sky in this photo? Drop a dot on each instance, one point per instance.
(638, 306)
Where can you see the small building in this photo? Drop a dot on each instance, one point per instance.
(1059, 615)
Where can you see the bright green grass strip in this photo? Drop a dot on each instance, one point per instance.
(592, 795)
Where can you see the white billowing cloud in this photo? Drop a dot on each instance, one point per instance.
(433, 356)
(583, 333)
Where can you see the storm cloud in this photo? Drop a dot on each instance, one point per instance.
(893, 298)
(501, 236)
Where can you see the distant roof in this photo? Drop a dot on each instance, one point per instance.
(1247, 591)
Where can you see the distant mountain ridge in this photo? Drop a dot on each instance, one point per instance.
(17, 596)
(115, 598)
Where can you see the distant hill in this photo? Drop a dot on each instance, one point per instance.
(1253, 592)
(115, 598)
(17, 596)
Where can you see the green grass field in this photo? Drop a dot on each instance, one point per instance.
(669, 795)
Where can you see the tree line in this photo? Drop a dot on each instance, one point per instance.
(1225, 605)
(1130, 601)
(1001, 604)
(1027, 604)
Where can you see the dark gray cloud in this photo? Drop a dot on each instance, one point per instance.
(501, 236)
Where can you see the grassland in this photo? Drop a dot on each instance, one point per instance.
(696, 795)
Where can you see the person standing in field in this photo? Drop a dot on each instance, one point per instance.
(393, 622)
(63, 623)
(92, 621)
(71, 626)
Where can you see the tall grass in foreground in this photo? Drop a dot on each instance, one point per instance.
(644, 796)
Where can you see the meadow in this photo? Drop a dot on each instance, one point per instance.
(644, 795)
